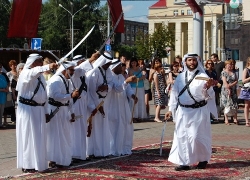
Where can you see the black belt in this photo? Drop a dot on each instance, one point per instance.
(30, 102)
(195, 105)
(56, 103)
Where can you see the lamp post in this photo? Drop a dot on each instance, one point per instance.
(72, 24)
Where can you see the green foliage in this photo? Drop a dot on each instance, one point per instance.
(55, 25)
(126, 50)
(162, 37)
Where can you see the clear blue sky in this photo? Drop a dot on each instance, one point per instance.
(136, 10)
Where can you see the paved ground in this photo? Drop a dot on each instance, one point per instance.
(145, 133)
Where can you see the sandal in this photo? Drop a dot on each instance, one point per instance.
(157, 120)
(247, 124)
(236, 122)
(227, 124)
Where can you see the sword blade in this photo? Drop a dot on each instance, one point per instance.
(112, 32)
(85, 37)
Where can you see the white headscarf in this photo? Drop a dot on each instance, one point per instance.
(65, 64)
(193, 55)
(78, 58)
(31, 59)
(103, 59)
(115, 62)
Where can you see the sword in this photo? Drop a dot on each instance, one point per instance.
(72, 50)
(52, 114)
(61, 62)
(162, 134)
(112, 32)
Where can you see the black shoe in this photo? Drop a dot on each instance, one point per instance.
(52, 164)
(202, 165)
(182, 168)
(28, 170)
(76, 160)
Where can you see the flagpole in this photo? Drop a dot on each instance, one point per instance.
(108, 23)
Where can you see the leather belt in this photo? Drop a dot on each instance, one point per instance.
(195, 105)
(56, 103)
(30, 102)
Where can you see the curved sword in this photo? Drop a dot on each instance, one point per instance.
(85, 37)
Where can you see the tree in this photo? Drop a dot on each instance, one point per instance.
(55, 25)
(161, 38)
(142, 45)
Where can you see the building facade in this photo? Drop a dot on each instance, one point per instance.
(180, 18)
(237, 37)
(131, 29)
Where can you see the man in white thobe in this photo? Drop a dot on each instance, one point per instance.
(121, 127)
(100, 84)
(31, 110)
(59, 127)
(192, 135)
(79, 127)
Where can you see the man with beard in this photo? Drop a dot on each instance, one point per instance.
(59, 127)
(193, 100)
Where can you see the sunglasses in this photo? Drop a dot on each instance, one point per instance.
(210, 63)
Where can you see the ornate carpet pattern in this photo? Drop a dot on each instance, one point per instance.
(146, 163)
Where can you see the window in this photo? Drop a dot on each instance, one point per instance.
(132, 29)
(189, 12)
(182, 12)
(128, 29)
(133, 38)
(175, 12)
(128, 38)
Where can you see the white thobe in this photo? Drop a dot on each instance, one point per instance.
(192, 135)
(120, 117)
(30, 124)
(79, 127)
(59, 145)
(99, 141)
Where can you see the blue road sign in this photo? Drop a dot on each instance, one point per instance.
(36, 43)
(107, 47)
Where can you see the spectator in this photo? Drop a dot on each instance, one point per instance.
(159, 88)
(10, 106)
(218, 67)
(209, 66)
(47, 74)
(245, 91)
(4, 89)
(146, 85)
(124, 72)
(138, 88)
(229, 88)
(179, 60)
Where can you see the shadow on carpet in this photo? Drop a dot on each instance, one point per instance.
(145, 163)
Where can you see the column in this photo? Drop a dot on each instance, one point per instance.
(178, 39)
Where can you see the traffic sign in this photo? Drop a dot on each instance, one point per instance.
(107, 47)
(36, 43)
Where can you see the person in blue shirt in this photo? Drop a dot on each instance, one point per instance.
(4, 89)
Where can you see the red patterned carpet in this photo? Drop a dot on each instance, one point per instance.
(145, 163)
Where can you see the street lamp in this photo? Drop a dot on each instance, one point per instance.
(72, 25)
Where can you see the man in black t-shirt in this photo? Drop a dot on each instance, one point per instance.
(218, 67)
